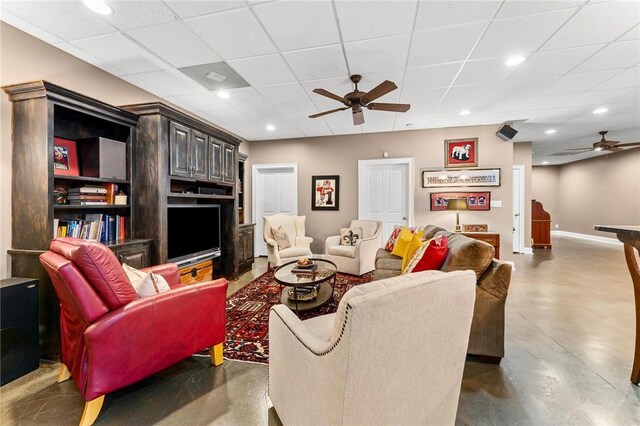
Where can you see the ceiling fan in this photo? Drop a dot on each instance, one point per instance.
(357, 100)
(601, 145)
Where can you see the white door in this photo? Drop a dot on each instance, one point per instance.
(275, 190)
(385, 192)
(518, 209)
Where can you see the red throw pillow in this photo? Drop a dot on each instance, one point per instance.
(433, 256)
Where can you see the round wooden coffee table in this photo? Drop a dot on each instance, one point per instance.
(324, 277)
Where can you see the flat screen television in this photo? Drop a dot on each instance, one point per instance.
(193, 232)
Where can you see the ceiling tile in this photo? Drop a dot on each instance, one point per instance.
(190, 9)
(596, 98)
(544, 102)
(66, 20)
(435, 14)
(171, 82)
(234, 34)
(382, 18)
(512, 8)
(423, 102)
(298, 110)
(28, 27)
(378, 54)
(246, 98)
(554, 62)
(599, 23)
(444, 44)
(339, 86)
(379, 121)
(631, 98)
(132, 14)
(430, 77)
(473, 98)
(283, 93)
(514, 90)
(579, 82)
(122, 53)
(176, 43)
(312, 127)
(621, 54)
(483, 71)
(263, 70)
(295, 25)
(519, 35)
(144, 85)
(632, 34)
(317, 63)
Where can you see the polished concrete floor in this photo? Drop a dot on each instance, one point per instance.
(569, 342)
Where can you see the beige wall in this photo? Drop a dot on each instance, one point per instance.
(339, 155)
(522, 156)
(26, 58)
(545, 184)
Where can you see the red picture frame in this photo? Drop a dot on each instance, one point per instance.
(65, 157)
(478, 201)
(461, 152)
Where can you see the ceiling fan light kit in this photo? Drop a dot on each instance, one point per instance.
(357, 100)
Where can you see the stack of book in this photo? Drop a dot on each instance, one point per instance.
(304, 293)
(104, 228)
(307, 269)
(88, 195)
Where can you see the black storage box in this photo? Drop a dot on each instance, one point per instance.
(102, 158)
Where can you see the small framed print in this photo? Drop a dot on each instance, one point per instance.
(478, 227)
(325, 192)
(475, 200)
(65, 157)
(461, 152)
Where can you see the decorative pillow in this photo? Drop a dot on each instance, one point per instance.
(430, 256)
(402, 242)
(281, 238)
(412, 248)
(146, 283)
(391, 242)
(350, 236)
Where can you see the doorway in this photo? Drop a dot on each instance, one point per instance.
(385, 192)
(274, 190)
(518, 209)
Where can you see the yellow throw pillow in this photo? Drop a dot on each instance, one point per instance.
(404, 238)
(414, 245)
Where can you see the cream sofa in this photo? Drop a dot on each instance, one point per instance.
(393, 353)
(493, 278)
(360, 258)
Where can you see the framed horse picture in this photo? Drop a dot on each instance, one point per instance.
(461, 152)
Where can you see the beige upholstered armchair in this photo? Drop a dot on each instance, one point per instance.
(359, 258)
(393, 353)
(293, 227)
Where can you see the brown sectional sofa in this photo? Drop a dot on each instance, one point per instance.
(493, 278)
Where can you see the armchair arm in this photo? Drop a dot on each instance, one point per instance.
(271, 242)
(169, 271)
(281, 316)
(304, 242)
(331, 241)
(151, 333)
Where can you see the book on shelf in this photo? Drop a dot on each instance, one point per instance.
(112, 190)
(95, 227)
(88, 189)
(87, 203)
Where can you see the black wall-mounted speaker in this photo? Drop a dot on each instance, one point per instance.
(18, 328)
(506, 132)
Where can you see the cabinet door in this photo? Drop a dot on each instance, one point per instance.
(135, 256)
(229, 174)
(249, 241)
(179, 143)
(242, 246)
(198, 155)
(215, 159)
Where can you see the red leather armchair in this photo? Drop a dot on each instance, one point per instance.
(112, 338)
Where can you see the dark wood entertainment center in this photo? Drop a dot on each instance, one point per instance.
(171, 158)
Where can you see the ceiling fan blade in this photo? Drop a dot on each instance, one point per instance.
(380, 90)
(320, 114)
(579, 149)
(389, 107)
(330, 95)
(358, 118)
(628, 144)
(613, 149)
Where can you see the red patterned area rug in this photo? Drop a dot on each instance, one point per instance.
(248, 315)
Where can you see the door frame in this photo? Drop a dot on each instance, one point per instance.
(388, 161)
(520, 201)
(255, 170)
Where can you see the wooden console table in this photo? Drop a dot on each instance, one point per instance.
(630, 236)
(492, 238)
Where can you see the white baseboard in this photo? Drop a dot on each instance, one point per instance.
(595, 238)
(527, 250)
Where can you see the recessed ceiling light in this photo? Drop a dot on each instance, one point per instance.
(465, 112)
(545, 162)
(270, 127)
(550, 131)
(514, 60)
(599, 148)
(222, 94)
(98, 6)
(600, 110)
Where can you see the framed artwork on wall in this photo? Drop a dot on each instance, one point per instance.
(65, 157)
(325, 192)
(461, 152)
(460, 177)
(478, 201)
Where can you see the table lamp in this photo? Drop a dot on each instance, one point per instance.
(457, 204)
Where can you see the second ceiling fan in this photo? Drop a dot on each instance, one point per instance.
(358, 100)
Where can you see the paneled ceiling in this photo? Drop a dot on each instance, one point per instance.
(444, 56)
